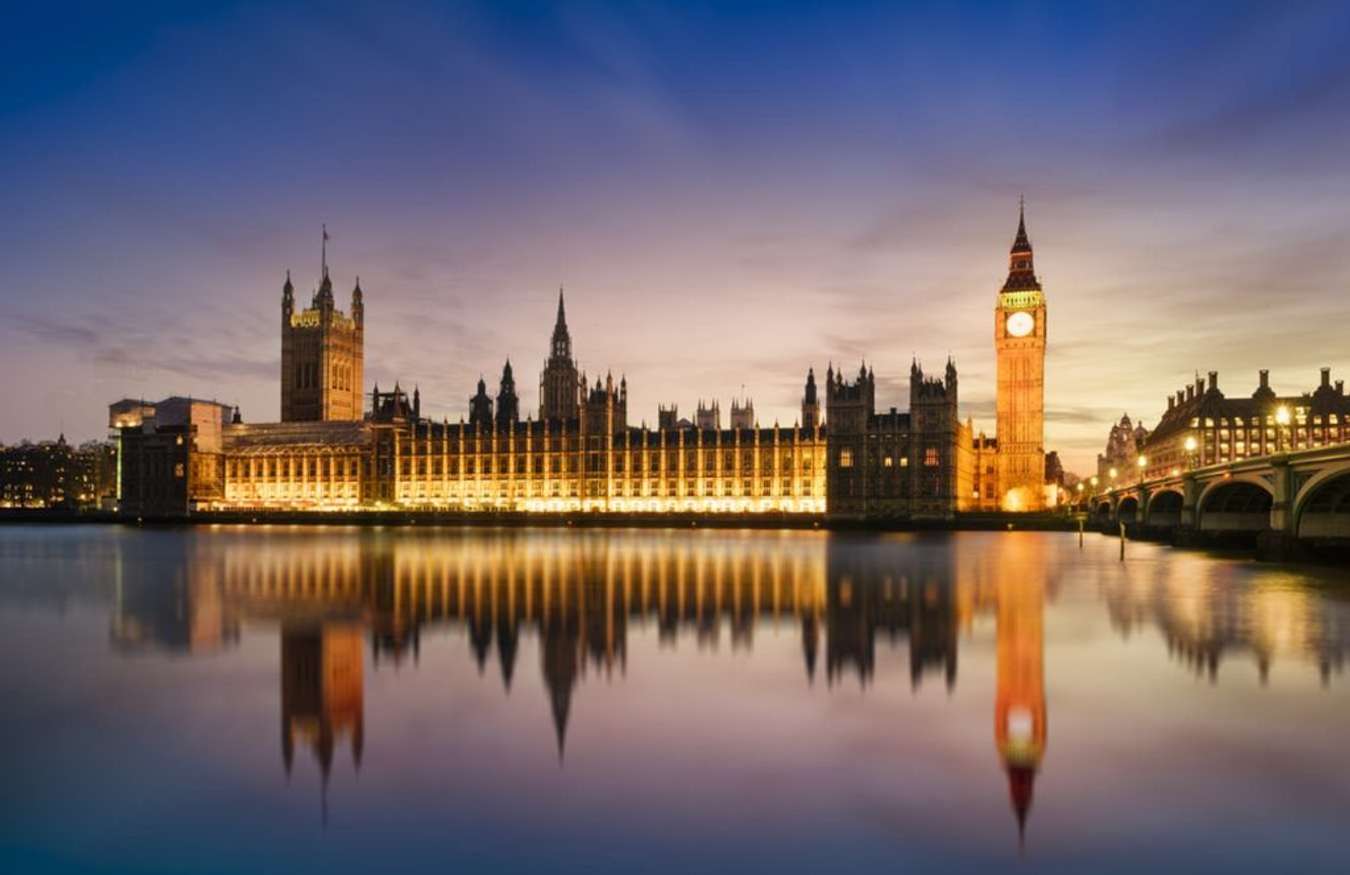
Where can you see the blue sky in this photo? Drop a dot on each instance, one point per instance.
(731, 193)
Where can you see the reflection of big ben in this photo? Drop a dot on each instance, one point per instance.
(1019, 338)
(1019, 709)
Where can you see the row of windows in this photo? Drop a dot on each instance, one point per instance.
(307, 375)
(931, 459)
(1300, 417)
(314, 468)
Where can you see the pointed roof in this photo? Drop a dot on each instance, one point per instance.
(1021, 266)
(1021, 243)
(562, 311)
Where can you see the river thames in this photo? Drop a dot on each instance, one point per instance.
(277, 699)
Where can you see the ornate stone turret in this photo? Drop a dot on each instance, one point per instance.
(742, 413)
(508, 405)
(322, 354)
(708, 417)
(287, 301)
(559, 387)
(480, 407)
(810, 402)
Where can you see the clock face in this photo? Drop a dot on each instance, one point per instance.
(1020, 324)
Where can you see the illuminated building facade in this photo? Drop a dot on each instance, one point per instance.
(1123, 445)
(1019, 339)
(1202, 426)
(330, 452)
(322, 354)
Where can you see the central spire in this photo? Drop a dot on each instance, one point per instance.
(1021, 266)
(1021, 243)
(562, 339)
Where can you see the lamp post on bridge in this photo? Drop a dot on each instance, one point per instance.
(1282, 420)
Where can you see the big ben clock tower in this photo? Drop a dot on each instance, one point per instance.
(1019, 338)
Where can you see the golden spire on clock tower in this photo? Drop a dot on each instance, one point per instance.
(1019, 338)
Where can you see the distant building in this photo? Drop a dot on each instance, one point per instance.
(708, 417)
(54, 474)
(1202, 426)
(742, 413)
(1123, 446)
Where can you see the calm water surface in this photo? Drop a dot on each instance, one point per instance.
(283, 700)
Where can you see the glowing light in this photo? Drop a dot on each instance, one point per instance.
(1142, 462)
(1191, 443)
(1282, 415)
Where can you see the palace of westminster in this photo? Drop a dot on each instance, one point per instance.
(332, 451)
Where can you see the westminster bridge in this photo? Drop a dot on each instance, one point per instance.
(1286, 501)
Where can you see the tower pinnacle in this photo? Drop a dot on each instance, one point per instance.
(1021, 267)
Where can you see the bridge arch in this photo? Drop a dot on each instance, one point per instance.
(1322, 506)
(1164, 508)
(1127, 509)
(1235, 504)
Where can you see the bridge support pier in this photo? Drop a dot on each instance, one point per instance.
(1282, 505)
(1273, 546)
(1190, 492)
(1280, 543)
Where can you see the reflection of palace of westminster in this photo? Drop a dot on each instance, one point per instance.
(331, 452)
(574, 599)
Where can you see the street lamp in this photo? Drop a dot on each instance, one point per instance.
(1282, 419)
(1142, 462)
(1191, 446)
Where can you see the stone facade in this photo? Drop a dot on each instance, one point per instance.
(1020, 339)
(322, 355)
(1203, 427)
(893, 464)
(581, 454)
(1123, 446)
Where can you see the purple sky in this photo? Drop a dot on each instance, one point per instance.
(729, 196)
